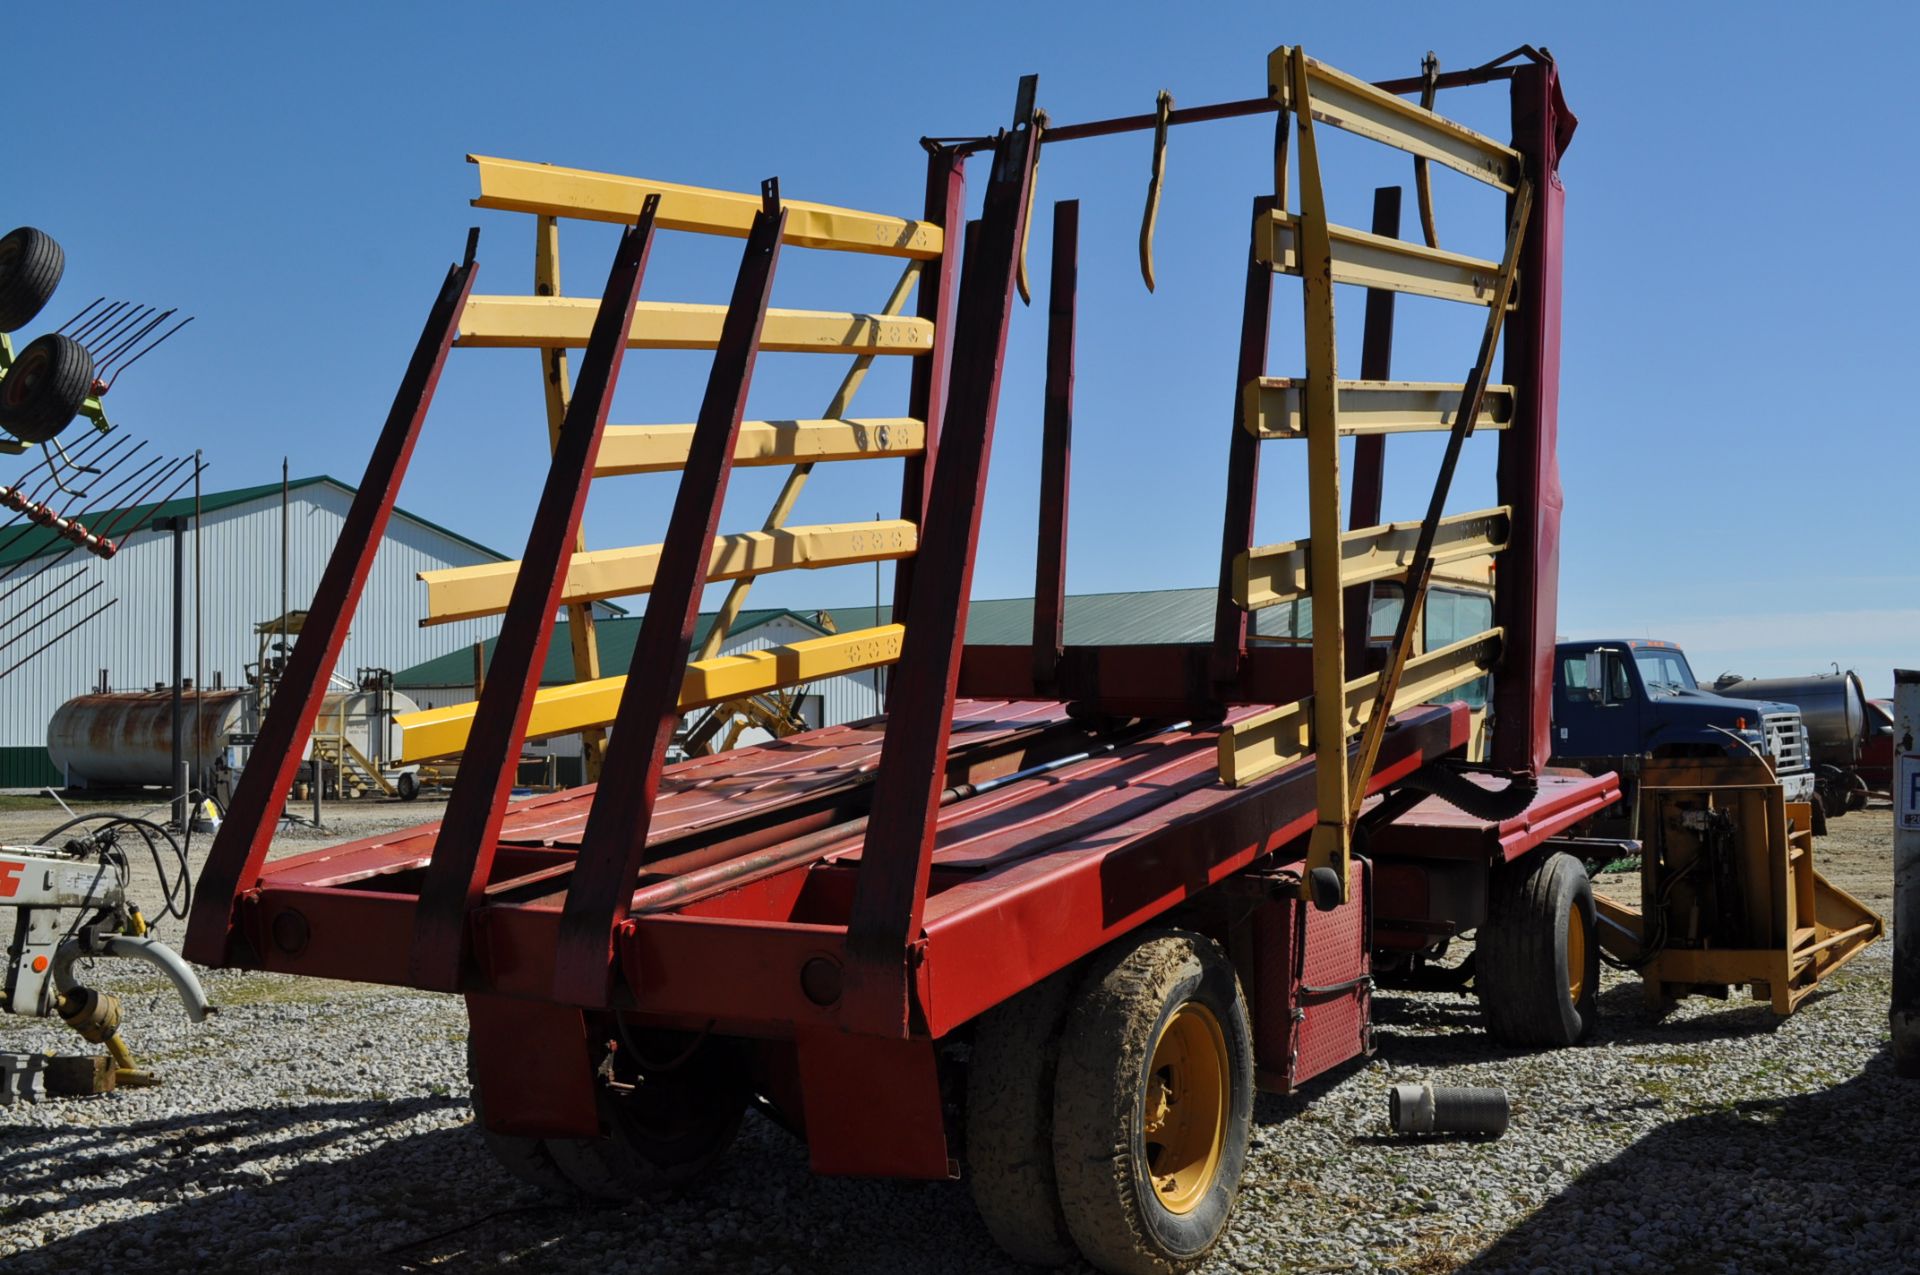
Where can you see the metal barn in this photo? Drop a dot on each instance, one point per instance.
(130, 645)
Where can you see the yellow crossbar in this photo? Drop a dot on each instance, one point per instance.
(1271, 407)
(1378, 261)
(557, 322)
(1352, 104)
(1272, 574)
(464, 593)
(518, 186)
(651, 449)
(1258, 746)
(563, 710)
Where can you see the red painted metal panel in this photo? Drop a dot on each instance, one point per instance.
(1435, 830)
(891, 890)
(241, 845)
(532, 1067)
(1056, 446)
(1009, 926)
(697, 796)
(873, 1106)
(946, 207)
(1149, 680)
(1334, 994)
(1270, 991)
(619, 822)
(1528, 583)
(463, 854)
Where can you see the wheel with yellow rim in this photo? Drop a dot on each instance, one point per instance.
(1153, 1104)
(1537, 968)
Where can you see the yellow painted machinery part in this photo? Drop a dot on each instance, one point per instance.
(517, 186)
(1258, 746)
(562, 710)
(464, 593)
(1272, 574)
(1377, 261)
(1789, 929)
(1272, 407)
(1345, 102)
(652, 449)
(507, 322)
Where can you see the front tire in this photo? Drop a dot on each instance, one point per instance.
(1537, 970)
(1153, 1105)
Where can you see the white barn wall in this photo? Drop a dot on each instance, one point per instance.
(240, 550)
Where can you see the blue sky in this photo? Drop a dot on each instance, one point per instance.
(1738, 271)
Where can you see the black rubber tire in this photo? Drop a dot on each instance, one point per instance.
(407, 786)
(1115, 1019)
(1009, 1124)
(1522, 967)
(660, 1133)
(45, 387)
(524, 1158)
(31, 263)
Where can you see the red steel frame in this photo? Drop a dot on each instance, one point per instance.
(852, 946)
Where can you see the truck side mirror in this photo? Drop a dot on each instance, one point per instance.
(1597, 676)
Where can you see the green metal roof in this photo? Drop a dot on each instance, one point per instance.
(614, 637)
(21, 545)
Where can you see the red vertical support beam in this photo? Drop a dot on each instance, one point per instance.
(1243, 457)
(456, 879)
(615, 839)
(1370, 450)
(1056, 446)
(890, 890)
(1527, 580)
(233, 865)
(946, 206)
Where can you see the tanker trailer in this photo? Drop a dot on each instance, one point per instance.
(1834, 708)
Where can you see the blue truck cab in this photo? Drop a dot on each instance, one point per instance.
(1620, 701)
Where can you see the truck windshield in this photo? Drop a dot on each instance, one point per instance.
(1664, 671)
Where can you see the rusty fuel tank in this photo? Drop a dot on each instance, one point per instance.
(125, 738)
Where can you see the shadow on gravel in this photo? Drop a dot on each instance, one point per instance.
(368, 1197)
(1820, 1181)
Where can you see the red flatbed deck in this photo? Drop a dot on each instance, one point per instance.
(1025, 879)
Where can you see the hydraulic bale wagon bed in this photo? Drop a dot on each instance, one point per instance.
(1050, 921)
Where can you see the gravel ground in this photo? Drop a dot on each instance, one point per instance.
(318, 1126)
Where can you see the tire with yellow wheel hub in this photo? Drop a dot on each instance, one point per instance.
(1537, 963)
(1153, 1104)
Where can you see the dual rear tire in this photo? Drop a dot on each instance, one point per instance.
(1109, 1109)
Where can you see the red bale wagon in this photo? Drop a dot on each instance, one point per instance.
(1051, 921)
